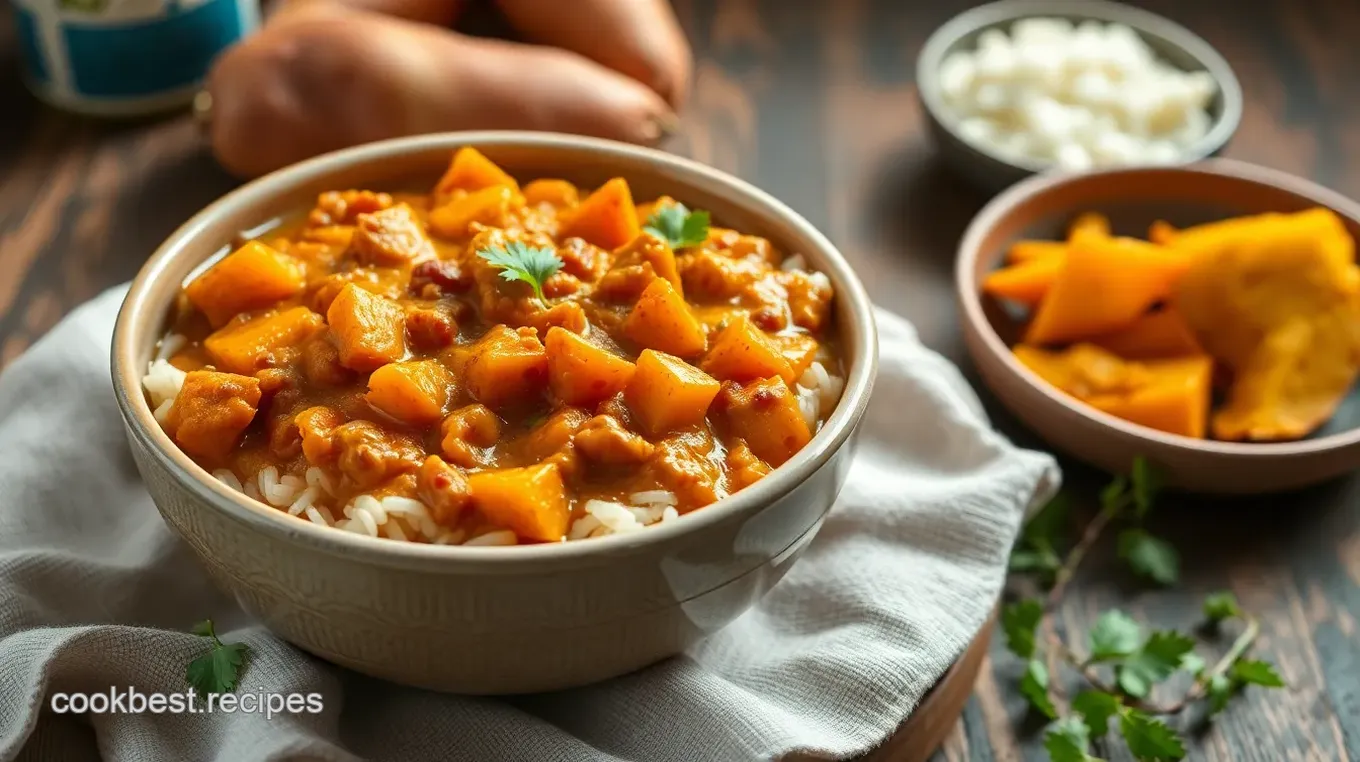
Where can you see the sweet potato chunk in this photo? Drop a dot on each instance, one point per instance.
(1028, 251)
(211, 411)
(581, 373)
(415, 392)
(1175, 398)
(1026, 282)
(553, 434)
(1103, 286)
(488, 206)
(369, 330)
(315, 425)
(741, 352)
(250, 278)
(799, 349)
(506, 367)
(1159, 334)
(765, 413)
(655, 252)
(606, 218)
(530, 501)
(662, 321)
(266, 341)
(668, 393)
(557, 193)
(471, 171)
(390, 237)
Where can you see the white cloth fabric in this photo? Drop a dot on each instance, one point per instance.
(96, 593)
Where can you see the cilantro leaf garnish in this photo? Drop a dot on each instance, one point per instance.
(1147, 485)
(1156, 661)
(678, 226)
(1115, 635)
(1034, 687)
(1256, 672)
(1068, 740)
(1148, 738)
(519, 262)
(218, 670)
(1018, 621)
(1096, 707)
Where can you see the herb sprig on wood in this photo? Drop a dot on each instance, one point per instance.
(1121, 664)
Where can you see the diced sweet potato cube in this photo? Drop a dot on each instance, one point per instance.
(415, 392)
(265, 341)
(488, 206)
(554, 433)
(1159, 334)
(369, 330)
(390, 237)
(506, 367)
(661, 320)
(667, 393)
(1088, 224)
(655, 252)
(557, 193)
(799, 349)
(581, 373)
(606, 218)
(741, 352)
(252, 277)
(766, 414)
(211, 411)
(530, 501)
(471, 171)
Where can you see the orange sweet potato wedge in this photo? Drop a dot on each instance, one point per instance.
(606, 218)
(471, 171)
(1156, 335)
(1026, 282)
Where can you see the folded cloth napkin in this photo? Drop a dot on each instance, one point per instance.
(96, 594)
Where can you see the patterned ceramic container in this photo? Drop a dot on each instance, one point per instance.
(125, 57)
(488, 619)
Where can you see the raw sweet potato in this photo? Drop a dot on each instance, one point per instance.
(414, 392)
(211, 411)
(1105, 284)
(662, 320)
(369, 330)
(1025, 282)
(506, 367)
(606, 218)
(530, 501)
(268, 340)
(667, 393)
(1028, 251)
(471, 171)
(741, 352)
(252, 277)
(581, 373)
(765, 413)
(1158, 334)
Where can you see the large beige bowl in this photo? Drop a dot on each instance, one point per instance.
(1211, 190)
(493, 620)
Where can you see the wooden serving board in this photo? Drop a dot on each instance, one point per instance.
(922, 733)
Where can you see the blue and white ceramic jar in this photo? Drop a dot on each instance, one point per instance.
(125, 57)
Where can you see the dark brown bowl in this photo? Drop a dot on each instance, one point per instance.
(1133, 199)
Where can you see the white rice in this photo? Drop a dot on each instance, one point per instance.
(792, 263)
(653, 497)
(304, 501)
(315, 477)
(818, 391)
(227, 478)
(499, 537)
(162, 383)
(170, 345)
(279, 491)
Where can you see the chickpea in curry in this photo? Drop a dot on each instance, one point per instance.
(491, 363)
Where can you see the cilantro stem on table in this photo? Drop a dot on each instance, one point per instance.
(219, 669)
(1123, 666)
(529, 264)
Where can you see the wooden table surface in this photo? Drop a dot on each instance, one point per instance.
(814, 102)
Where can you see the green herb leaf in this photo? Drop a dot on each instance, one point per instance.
(1150, 556)
(518, 262)
(1096, 707)
(1019, 621)
(1115, 493)
(1068, 740)
(678, 226)
(1256, 672)
(1157, 660)
(1115, 635)
(1041, 560)
(218, 670)
(1192, 663)
(1147, 484)
(1220, 606)
(1220, 691)
(1149, 739)
(1034, 687)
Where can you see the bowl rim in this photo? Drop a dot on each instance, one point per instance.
(1142, 21)
(835, 432)
(970, 298)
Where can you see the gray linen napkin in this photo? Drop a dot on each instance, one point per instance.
(96, 594)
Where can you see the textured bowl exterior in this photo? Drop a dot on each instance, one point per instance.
(494, 620)
(1133, 199)
(1173, 43)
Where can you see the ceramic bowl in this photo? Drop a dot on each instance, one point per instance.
(1172, 42)
(1133, 199)
(489, 620)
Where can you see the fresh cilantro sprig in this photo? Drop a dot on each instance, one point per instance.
(219, 669)
(529, 264)
(678, 226)
(1123, 665)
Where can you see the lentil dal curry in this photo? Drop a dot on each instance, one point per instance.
(491, 364)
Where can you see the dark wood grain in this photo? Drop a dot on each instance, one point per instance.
(814, 101)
